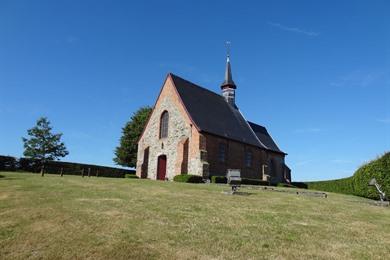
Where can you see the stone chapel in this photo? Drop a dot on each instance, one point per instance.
(193, 130)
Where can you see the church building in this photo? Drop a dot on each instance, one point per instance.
(193, 130)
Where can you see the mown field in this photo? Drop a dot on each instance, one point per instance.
(102, 218)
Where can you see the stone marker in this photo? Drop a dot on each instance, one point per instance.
(234, 179)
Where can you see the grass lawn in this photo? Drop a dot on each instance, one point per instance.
(104, 218)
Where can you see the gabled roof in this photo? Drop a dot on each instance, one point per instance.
(262, 133)
(212, 114)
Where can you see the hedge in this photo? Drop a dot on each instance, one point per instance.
(344, 185)
(131, 176)
(358, 183)
(285, 185)
(8, 163)
(188, 178)
(254, 182)
(378, 169)
(301, 185)
(223, 179)
(218, 179)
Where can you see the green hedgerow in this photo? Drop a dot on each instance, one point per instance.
(358, 183)
(218, 179)
(188, 178)
(131, 176)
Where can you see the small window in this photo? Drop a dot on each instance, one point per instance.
(164, 124)
(222, 152)
(248, 158)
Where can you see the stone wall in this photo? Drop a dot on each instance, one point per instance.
(181, 133)
(201, 149)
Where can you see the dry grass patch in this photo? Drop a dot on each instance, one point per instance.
(103, 218)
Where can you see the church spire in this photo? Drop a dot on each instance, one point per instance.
(228, 82)
(228, 86)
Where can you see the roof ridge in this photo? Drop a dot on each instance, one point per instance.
(196, 85)
(250, 122)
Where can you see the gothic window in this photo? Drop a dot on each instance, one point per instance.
(222, 152)
(164, 124)
(248, 158)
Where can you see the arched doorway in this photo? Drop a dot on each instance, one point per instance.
(161, 167)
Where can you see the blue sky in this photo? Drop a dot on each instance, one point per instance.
(315, 73)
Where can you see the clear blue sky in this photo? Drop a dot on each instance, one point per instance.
(315, 73)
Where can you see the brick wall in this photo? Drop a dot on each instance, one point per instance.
(182, 141)
(235, 159)
(199, 149)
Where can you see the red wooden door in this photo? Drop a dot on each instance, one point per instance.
(161, 167)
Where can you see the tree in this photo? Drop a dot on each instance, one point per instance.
(126, 152)
(42, 144)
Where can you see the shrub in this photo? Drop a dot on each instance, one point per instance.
(188, 178)
(300, 185)
(223, 179)
(8, 163)
(218, 179)
(285, 185)
(378, 169)
(254, 182)
(29, 165)
(131, 176)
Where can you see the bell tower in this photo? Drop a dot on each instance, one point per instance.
(228, 86)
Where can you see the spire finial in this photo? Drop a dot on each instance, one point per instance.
(228, 43)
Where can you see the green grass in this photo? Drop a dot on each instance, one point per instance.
(104, 218)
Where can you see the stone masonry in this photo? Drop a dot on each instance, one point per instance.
(190, 151)
(180, 130)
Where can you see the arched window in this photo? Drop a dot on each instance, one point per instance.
(164, 124)
(248, 158)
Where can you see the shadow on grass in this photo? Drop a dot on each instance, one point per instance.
(11, 177)
(239, 193)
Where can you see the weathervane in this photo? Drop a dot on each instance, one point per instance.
(228, 43)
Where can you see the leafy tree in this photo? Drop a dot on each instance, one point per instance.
(42, 144)
(126, 152)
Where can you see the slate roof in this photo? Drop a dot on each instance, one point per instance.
(228, 82)
(262, 133)
(212, 114)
